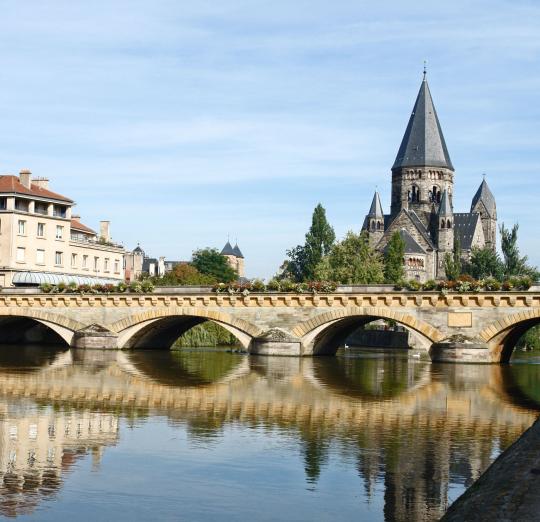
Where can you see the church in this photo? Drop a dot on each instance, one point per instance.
(422, 201)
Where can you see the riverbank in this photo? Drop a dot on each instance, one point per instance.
(509, 489)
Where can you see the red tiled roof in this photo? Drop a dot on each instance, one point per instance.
(12, 184)
(77, 225)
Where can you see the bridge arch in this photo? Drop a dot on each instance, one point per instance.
(160, 328)
(25, 317)
(502, 335)
(323, 334)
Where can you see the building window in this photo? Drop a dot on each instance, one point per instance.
(59, 232)
(21, 204)
(85, 261)
(59, 211)
(96, 264)
(41, 230)
(41, 208)
(73, 260)
(3, 203)
(106, 264)
(40, 256)
(58, 258)
(21, 254)
(116, 266)
(22, 227)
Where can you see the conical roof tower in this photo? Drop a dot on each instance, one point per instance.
(423, 169)
(423, 143)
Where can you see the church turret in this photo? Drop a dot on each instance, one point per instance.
(445, 218)
(422, 170)
(374, 221)
(483, 203)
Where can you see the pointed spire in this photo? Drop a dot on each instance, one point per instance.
(485, 196)
(446, 207)
(227, 249)
(237, 251)
(423, 144)
(376, 208)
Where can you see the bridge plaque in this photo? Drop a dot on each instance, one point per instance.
(460, 319)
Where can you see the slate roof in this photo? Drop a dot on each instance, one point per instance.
(138, 250)
(423, 144)
(12, 185)
(228, 250)
(445, 209)
(237, 251)
(411, 245)
(485, 195)
(464, 226)
(376, 208)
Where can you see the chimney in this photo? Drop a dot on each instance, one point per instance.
(42, 183)
(25, 177)
(104, 232)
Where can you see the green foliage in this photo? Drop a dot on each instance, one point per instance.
(530, 340)
(275, 285)
(304, 259)
(514, 263)
(485, 263)
(209, 261)
(206, 334)
(452, 262)
(61, 288)
(393, 259)
(184, 274)
(352, 261)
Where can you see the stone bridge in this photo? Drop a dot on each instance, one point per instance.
(480, 327)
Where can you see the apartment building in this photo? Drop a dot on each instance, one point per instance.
(42, 241)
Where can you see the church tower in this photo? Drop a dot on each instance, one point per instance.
(445, 231)
(422, 170)
(483, 203)
(374, 221)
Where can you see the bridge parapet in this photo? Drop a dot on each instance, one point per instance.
(489, 320)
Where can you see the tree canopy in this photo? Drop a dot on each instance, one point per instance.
(352, 261)
(393, 259)
(209, 261)
(452, 262)
(484, 263)
(303, 259)
(514, 264)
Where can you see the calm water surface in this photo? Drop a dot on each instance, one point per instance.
(206, 434)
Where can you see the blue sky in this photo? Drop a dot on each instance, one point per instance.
(183, 122)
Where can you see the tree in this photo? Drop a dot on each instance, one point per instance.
(452, 262)
(485, 262)
(352, 261)
(393, 259)
(514, 264)
(303, 259)
(210, 262)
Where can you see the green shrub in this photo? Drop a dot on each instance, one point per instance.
(258, 286)
(413, 285)
(147, 286)
(490, 284)
(135, 287)
(431, 284)
(273, 285)
(46, 287)
(121, 287)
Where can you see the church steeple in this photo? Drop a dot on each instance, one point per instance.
(423, 144)
(422, 170)
(374, 221)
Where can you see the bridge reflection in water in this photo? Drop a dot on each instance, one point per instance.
(413, 430)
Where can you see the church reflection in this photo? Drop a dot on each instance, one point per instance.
(412, 429)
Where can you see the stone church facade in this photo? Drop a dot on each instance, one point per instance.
(422, 200)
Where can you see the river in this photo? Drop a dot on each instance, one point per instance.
(207, 434)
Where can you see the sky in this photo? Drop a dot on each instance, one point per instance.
(188, 122)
